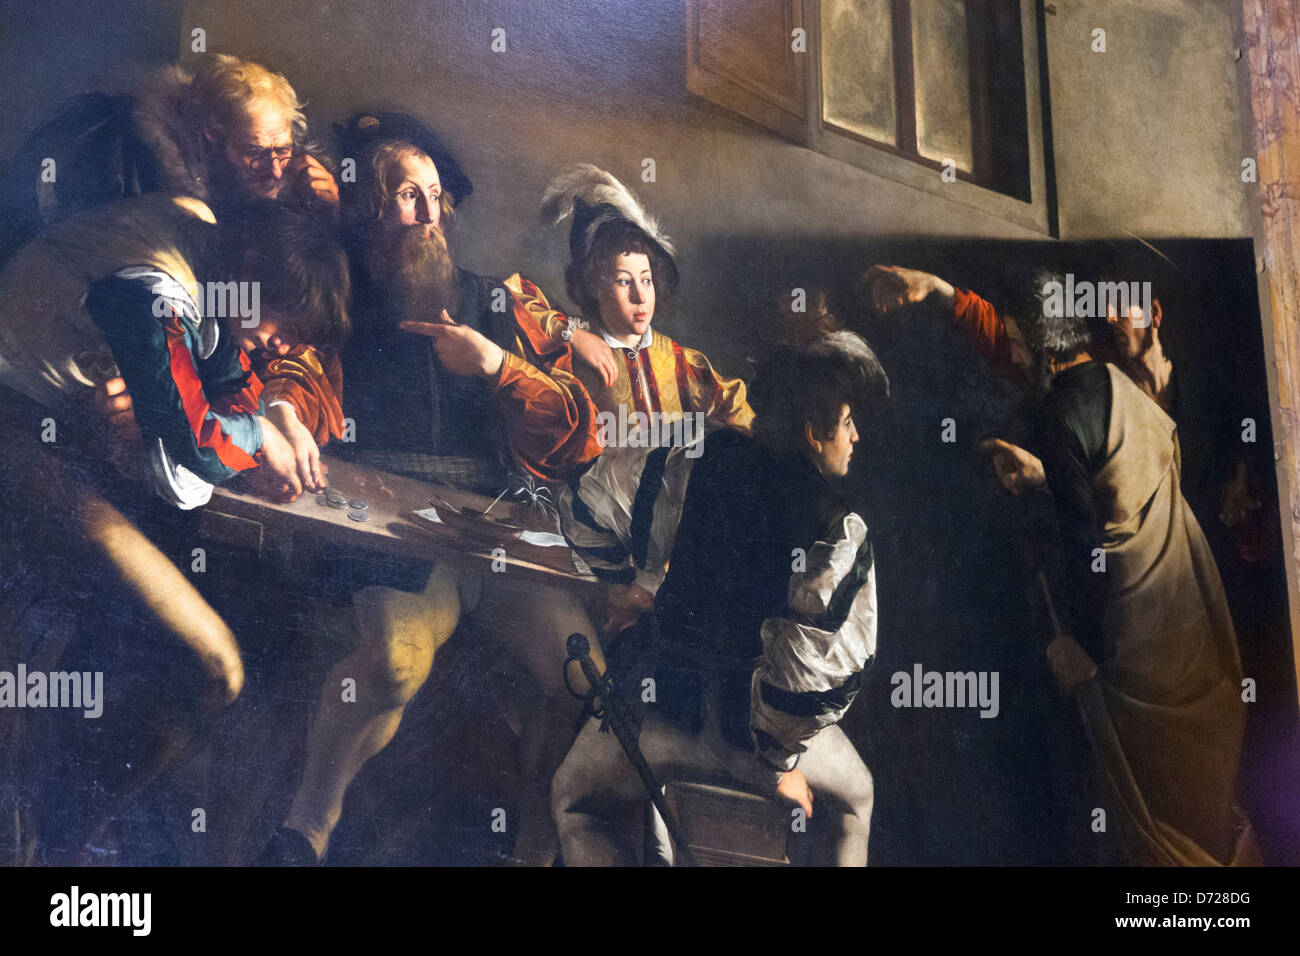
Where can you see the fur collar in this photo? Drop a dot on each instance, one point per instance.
(160, 120)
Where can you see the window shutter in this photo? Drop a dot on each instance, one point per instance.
(741, 57)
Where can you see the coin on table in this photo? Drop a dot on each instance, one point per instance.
(334, 494)
(337, 505)
(322, 500)
(356, 504)
(358, 516)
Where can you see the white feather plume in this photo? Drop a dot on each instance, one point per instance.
(595, 186)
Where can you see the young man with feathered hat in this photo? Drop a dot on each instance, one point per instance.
(650, 390)
(623, 269)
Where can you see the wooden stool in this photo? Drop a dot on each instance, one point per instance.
(726, 827)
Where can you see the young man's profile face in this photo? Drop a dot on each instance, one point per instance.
(833, 453)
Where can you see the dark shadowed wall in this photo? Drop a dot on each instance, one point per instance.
(605, 82)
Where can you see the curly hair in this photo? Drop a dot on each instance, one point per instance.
(226, 87)
(810, 385)
(296, 257)
(584, 277)
(1049, 332)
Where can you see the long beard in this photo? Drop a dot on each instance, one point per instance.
(1145, 344)
(414, 269)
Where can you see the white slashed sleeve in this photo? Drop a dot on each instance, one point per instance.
(175, 483)
(813, 654)
(629, 503)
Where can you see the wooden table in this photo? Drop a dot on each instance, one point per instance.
(243, 519)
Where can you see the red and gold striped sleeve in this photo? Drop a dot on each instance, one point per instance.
(724, 401)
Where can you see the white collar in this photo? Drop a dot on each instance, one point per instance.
(614, 343)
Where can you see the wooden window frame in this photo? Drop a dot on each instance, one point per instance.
(970, 189)
(907, 146)
(805, 124)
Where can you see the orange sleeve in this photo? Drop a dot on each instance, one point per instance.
(310, 380)
(975, 320)
(550, 421)
(549, 321)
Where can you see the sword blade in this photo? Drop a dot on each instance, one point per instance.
(631, 748)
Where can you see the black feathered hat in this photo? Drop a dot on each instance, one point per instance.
(593, 198)
(364, 133)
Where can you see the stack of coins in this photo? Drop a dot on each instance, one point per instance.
(333, 499)
(357, 509)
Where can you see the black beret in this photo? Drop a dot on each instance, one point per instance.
(589, 220)
(365, 131)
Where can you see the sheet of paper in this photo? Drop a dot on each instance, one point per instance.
(430, 514)
(543, 539)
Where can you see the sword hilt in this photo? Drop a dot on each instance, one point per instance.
(579, 649)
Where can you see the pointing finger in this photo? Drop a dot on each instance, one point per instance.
(431, 329)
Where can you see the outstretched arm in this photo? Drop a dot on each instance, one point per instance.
(550, 420)
(973, 318)
(892, 287)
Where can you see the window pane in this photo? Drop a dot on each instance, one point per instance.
(858, 68)
(941, 65)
